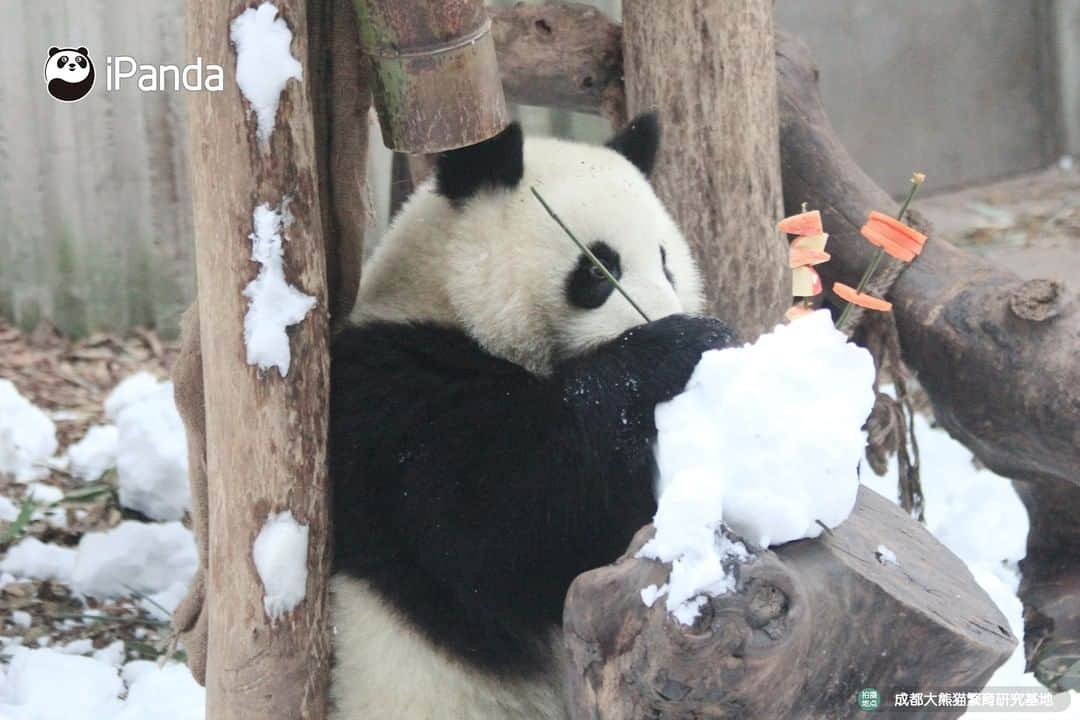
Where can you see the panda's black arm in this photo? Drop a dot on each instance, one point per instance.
(498, 484)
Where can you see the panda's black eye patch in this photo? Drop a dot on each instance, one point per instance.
(81, 60)
(663, 263)
(586, 285)
(62, 61)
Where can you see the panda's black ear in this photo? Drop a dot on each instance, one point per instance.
(84, 51)
(639, 142)
(53, 51)
(492, 164)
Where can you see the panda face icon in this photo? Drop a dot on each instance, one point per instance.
(69, 73)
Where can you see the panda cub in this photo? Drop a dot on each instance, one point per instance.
(69, 73)
(491, 420)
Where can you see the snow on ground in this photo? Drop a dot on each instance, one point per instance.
(280, 553)
(142, 557)
(95, 454)
(264, 64)
(800, 395)
(151, 450)
(62, 655)
(27, 436)
(273, 304)
(45, 684)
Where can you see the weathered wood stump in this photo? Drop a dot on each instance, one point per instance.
(810, 625)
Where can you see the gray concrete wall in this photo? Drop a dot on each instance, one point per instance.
(964, 90)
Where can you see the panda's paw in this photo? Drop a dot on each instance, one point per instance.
(662, 354)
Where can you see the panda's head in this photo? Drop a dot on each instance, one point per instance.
(69, 73)
(473, 247)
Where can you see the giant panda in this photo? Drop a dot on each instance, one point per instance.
(491, 420)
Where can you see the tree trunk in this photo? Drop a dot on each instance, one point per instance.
(708, 67)
(265, 434)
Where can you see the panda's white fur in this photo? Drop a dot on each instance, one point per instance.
(497, 268)
(385, 670)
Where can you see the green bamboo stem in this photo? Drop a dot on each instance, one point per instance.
(589, 254)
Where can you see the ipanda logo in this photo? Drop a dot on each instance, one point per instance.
(69, 75)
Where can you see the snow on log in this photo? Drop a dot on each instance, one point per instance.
(765, 441)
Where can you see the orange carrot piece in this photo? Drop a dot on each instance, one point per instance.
(861, 299)
(892, 236)
(880, 236)
(805, 282)
(807, 223)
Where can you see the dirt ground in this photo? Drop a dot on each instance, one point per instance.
(1029, 223)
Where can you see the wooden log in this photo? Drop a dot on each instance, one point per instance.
(708, 67)
(265, 434)
(996, 354)
(809, 625)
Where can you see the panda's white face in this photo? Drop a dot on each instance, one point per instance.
(497, 265)
(71, 66)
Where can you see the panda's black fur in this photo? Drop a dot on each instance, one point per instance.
(469, 491)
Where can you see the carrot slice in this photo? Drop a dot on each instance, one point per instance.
(892, 236)
(805, 282)
(861, 299)
(807, 223)
(878, 235)
(811, 242)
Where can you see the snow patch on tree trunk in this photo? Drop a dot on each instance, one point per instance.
(281, 554)
(264, 64)
(273, 304)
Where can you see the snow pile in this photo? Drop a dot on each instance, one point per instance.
(90, 688)
(95, 454)
(777, 426)
(133, 556)
(688, 536)
(36, 560)
(151, 458)
(766, 440)
(27, 436)
(274, 304)
(280, 553)
(264, 64)
(93, 688)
